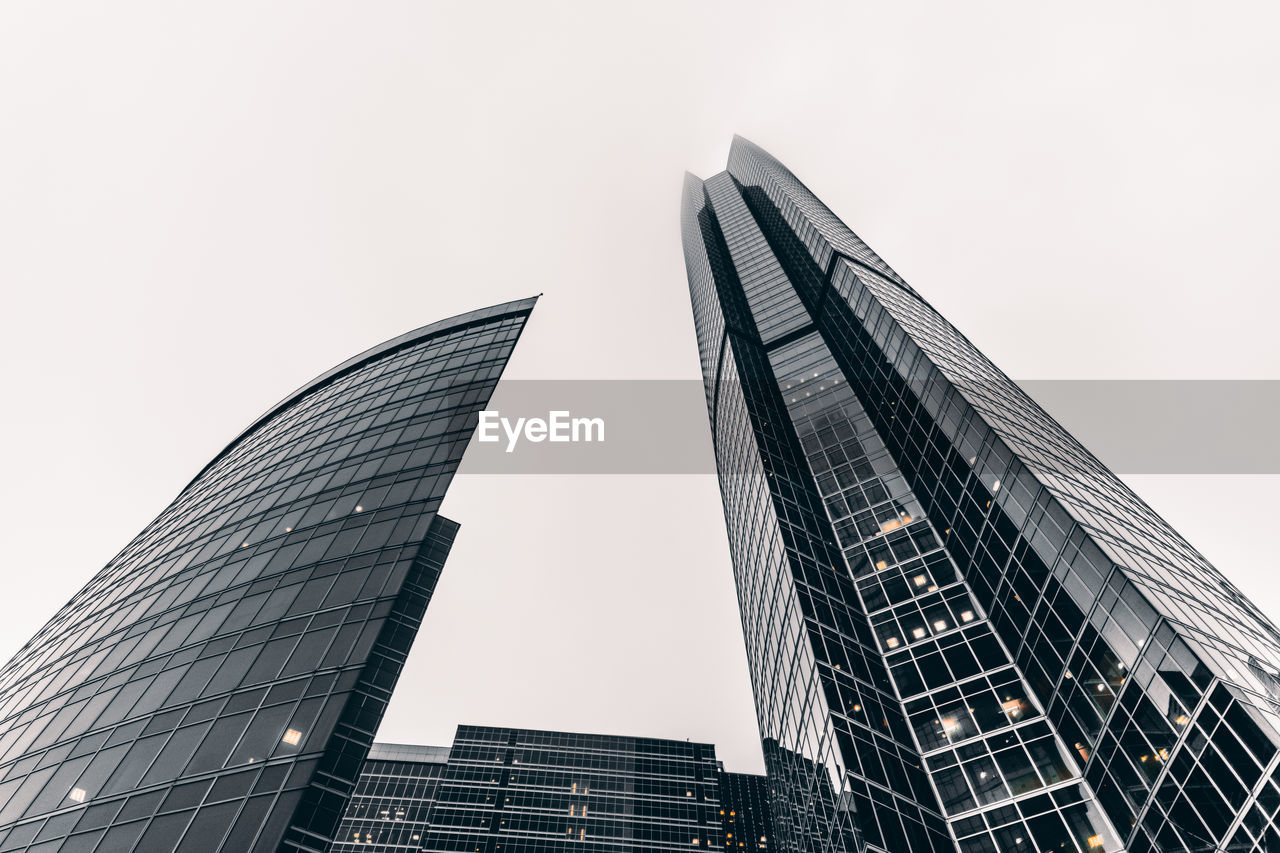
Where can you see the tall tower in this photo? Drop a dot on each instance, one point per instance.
(964, 632)
(217, 686)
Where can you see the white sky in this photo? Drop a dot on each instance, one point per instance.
(204, 205)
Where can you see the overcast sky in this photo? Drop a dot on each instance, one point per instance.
(202, 206)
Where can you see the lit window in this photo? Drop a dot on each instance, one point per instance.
(940, 625)
(77, 795)
(881, 565)
(918, 633)
(292, 737)
(1095, 840)
(890, 525)
(1014, 707)
(892, 642)
(966, 616)
(920, 579)
(359, 509)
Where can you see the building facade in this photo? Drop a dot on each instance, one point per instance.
(390, 808)
(525, 790)
(746, 821)
(217, 685)
(964, 632)
(522, 790)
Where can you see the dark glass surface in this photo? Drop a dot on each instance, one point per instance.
(499, 789)
(217, 685)
(978, 598)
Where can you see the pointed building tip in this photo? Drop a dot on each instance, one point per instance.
(690, 176)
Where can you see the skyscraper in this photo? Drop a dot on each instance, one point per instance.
(964, 632)
(746, 821)
(521, 789)
(217, 685)
(503, 789)
(390, 808)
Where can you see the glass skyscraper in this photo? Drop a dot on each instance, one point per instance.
(521, 790)
(963, 631)
(216, 687)
(525, 790)
(391, 807)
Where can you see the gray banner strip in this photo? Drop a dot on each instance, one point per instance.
(660, 426)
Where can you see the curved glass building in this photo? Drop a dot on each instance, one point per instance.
(217, 686)
(964, 632)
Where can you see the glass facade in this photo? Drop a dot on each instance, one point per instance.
(746, 821)
(217, 685)
(964, 632)
(390, 807)
(525, 790)
(506, 789)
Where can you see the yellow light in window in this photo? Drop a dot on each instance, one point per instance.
(1095, 840)
(918, 633)
(1182, 719)
(1014, 707)
(359, 509)
(77, 795)
(949, 724)
(882, 565)
(288, 530)
(940, 625)
(892, 642)
(890, 525)
(920, 579)
(966, 616)
(857, 707)
(292, 737)
(688, 793)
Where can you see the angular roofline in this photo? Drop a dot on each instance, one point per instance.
(450, 324)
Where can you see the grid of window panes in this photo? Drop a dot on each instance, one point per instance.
(216, 686)
(389, 810)
(972, 716)
(746, 822)
(523, 790)
(1121, 629)
(833, 782)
